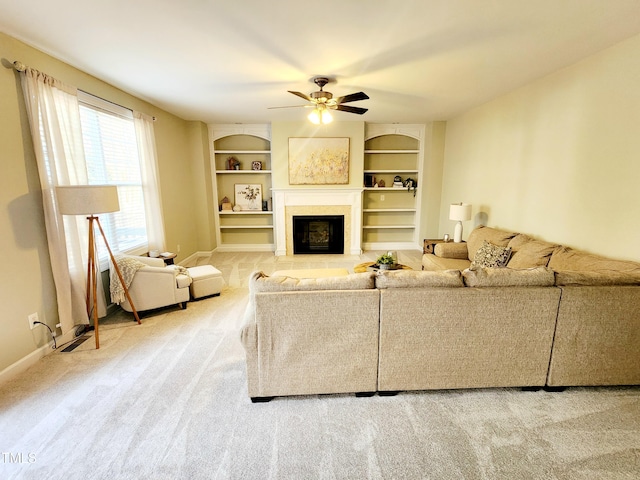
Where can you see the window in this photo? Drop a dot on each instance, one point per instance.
(111, 153)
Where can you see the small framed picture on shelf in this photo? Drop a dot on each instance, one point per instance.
(233, 163)
(369, 180)
(248, 196)
(256, 165)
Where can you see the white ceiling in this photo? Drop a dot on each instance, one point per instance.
(229, 60)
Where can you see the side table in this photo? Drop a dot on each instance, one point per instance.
(429, 245)
(167, 257)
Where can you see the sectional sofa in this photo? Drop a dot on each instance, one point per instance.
(538, 322)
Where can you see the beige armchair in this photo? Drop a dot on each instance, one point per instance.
(156, 285)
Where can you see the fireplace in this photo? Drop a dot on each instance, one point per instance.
(318, 234)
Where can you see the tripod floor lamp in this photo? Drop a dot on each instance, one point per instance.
(91, 200)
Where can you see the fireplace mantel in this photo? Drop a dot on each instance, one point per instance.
(301, 201)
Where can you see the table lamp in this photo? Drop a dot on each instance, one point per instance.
(91, 200)
(460, 212)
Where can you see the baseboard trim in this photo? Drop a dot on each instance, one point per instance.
(24, 363)
(193, 259)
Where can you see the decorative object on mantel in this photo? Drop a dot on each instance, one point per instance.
(233, 163)
(381, 183)
(249, 196)
(237, 208)
(460, 212)
(257, 165)
(397, 182)
(226, 204)
(319, 161)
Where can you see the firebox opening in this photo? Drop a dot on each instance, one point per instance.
(318, 234)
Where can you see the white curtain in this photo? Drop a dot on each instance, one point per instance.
(145, 138)
(54, 118)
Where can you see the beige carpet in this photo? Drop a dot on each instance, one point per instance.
(167, 400)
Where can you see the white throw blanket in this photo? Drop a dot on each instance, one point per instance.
(128, 267)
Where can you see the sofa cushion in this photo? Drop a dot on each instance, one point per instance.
(451, 250)
(432, 262)
(566, 258)
(491, 235)
(528, 252)
(260, 282)
(418, 279)
(572, 278)
(490, 255)
(508, 277)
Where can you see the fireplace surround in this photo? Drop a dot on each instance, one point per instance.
(289, 202)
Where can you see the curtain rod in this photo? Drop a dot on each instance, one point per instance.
(21, 67)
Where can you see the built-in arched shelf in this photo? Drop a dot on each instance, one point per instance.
(250, 146)
(391, 215)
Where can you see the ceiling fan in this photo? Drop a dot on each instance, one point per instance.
(322, 102)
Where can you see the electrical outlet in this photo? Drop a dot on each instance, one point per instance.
(32, 319)
(178, 249)
(382, 198)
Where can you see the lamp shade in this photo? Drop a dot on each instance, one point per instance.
(87, 199)
(460, 212)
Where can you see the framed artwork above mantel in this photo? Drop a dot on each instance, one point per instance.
(319, 161)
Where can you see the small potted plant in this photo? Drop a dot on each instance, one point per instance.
(386, 262)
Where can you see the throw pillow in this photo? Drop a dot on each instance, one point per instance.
(490, 255)
(531, 254)
(492, 235)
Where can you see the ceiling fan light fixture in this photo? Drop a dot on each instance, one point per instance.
(314, 116)
(319, 115)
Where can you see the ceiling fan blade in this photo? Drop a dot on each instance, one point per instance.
(292, 106)
(354, 97)
(301, 95)
(346, 108)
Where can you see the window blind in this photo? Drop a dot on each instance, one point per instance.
(112, 158)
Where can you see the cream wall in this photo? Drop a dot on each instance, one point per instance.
(559, 158)
(27, 284)
(431, 181)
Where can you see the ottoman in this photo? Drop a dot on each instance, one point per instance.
(206, 281)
